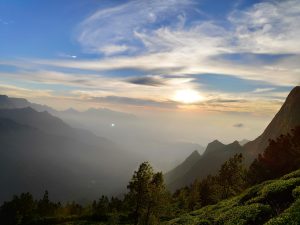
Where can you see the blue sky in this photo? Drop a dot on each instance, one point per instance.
(201, 55)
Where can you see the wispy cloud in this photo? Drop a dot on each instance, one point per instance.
(147, 80)
(268, 27)
(6, 22)
(199, 47)
(108, 30)
(261, 90)
(238, 125)
(114, 49)
(15, 91)
(135, 101)
(131, 36)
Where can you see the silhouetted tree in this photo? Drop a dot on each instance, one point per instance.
(147, 195)
(280, 157)
(158, 199)
(45, 207)
(21, 210)
(139, 190)
(231, 177)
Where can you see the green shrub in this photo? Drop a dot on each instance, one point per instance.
(296, 192)
(253, 207)
(242, 215)
(290, 216)
(204, 222)
(277, 192)
(294, 174)
(252, 192)
(188, 220)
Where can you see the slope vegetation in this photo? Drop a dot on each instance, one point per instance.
(274, 202)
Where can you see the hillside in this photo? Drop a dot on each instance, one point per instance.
(181, 169)
(41, 152)
(210, 161)
(275, 202)
(216, 152)
(286, 119)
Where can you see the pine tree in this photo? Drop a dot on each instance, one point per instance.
(139, 190)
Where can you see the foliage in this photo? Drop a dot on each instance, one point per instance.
(229, 182)
(147, 195)
(256, 205)
(282, 156)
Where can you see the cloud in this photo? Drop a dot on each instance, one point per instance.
(131, 37)
(133, 101)
(261, 90)
(64, 55)
(6, 22)
(239, 125)
(15, 91)
(114, 49)
(224, 100)
(197, 48)
(147, 80)
(268, 27)
(115, 26)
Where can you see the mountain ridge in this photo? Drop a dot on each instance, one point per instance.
(285, 119)
(216, 153)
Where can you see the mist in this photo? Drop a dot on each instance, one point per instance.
(167, 137)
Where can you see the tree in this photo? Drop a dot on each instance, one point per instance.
(139, 190)
(20, 210)
(208, 191)
(158, 199)
(147, 195)
(194, 201)
(231, 178)
(280, 157)
(101, 208)
(45, 207)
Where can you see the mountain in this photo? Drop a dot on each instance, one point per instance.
(100, 113)
(209, 162)
(217, 153)
(47, 123)
(184, 167)
(9, 103)
(273, 202)
(243, 142)
(286, 119)
(39, 151)
(14, 103)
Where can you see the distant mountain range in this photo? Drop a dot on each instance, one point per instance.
(104, 113)
(216, 153)
(125, 129)
(39, 151)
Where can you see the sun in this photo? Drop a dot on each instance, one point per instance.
(188, 96)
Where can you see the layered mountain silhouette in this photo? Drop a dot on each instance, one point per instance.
(39, 151)
(217, 153)
(14, 103)
(183, 168)
(208, 163)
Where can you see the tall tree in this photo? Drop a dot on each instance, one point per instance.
(139, 190)
(147, 195)
(231, 176)
(158, 199)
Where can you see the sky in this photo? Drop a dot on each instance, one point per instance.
(173, 57)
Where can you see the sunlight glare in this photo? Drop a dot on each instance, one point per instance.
(188, 96)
